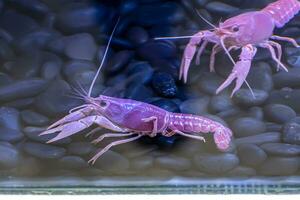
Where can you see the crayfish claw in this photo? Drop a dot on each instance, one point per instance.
(239, 82)
(226, 83)
(240, 69)
(184, 68)
(50, 131)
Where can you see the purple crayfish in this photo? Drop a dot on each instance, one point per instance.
(133, 119)
(246, 31)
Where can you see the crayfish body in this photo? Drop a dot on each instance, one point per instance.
(246, 31)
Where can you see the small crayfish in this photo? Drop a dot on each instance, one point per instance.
(246, 31)
(133, 119)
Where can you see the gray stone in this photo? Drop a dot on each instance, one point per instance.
(291, 133)
(72, 163)
(142, 163)
(10, 118)
(112, 161)
(220, 8)
(259, 139)
(286, 96)
(33, 118)
(280, 149)
(29, 167)
(17, 24)
(220, 103)
(195, 106)
(251, 155)
(81, 17)
(290, 79)
(241, 171)
(22, 89)
(162, 13)
(279, 166)
(209, 83)
(256, 112)
(216, 163)
(43, 151)
(80, 148)
(9, 156)
(10, 135)
(244, 97)
(246, 126)
(279, 113)
(53, 102)
(20, 103)
(260, 76)
(174, 163)
(80, 46)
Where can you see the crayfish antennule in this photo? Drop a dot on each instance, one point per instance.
(103, 59)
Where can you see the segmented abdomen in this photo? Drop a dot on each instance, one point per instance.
(282, 11)
(192, 123)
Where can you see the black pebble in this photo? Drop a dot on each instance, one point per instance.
(166, 104)
(164, 84)
(251, 155)
(245, 97)
(247, 126)
(291, 133)
(9, 156)
(43, 151)
(118, 61)
(33, 118)
(279, 113)
(21, 89)
(10, 135)
(137, 35)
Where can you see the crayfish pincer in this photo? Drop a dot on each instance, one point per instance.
(246, 32)
(132, 119)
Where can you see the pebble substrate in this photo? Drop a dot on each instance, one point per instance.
(46, 47)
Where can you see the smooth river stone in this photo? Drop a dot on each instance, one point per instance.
(72, 163)
(290, 79)
(10, 118)
(291, 133)
(243, 127)
(216, 163)
(10, 135)
(220, 103)
(33, 118)
(80, 46)
(172, 162)
(244, 97)
(279, 113)
(251, 155)
(241, 171)
(259, 139)
(280, 149)
(9, 156)
(112, 161)
(80, 148)
(22, 89)
(44, 151)
(142, 163)
(279, 166)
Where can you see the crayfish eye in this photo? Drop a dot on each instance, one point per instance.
(103, 103)
(235, 29)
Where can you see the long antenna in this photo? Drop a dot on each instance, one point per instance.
(176, 37)
(203, 18)
(103, 59)
(225, 49)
